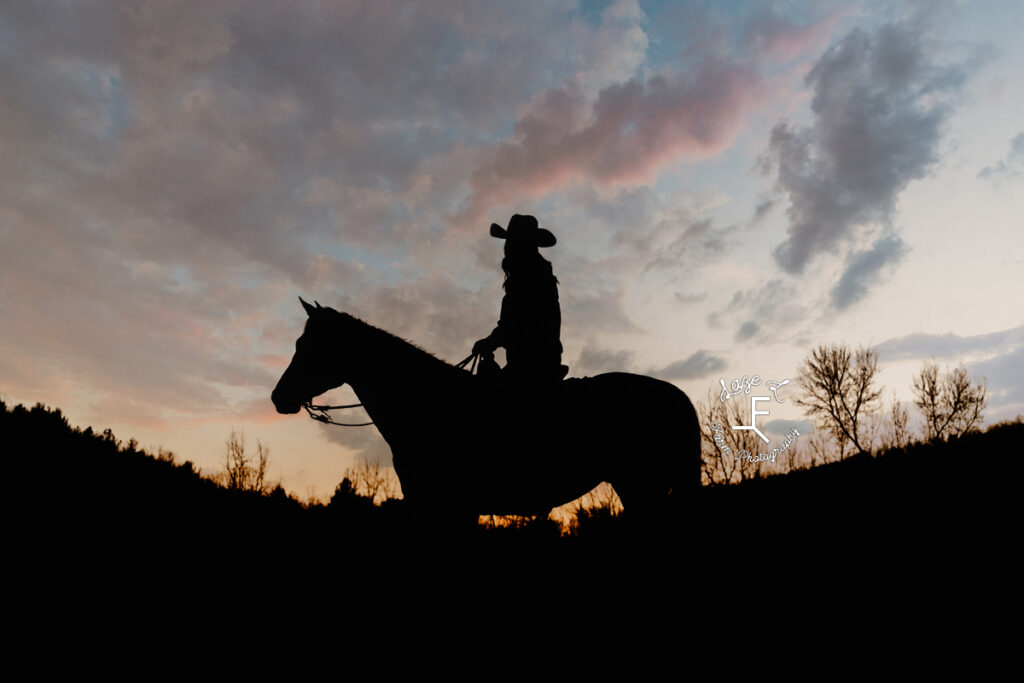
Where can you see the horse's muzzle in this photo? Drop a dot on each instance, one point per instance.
(284, 406)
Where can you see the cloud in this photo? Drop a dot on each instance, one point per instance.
(260, 128)
(775, 36)
(624, 137)
(747, 330)
(687, 298)
(880, 103)
(366, 442)
(697, 365)
(863, 269)
(698, 242)
(600, 311)
(761, 211)
(594, 360)
(143, 341)
(781, 427)
(623, 212)
(1010, 167)
(921, 346)
(630, 132)
(434, 311)
(759, 312)
(172, 179)
(1004, 377)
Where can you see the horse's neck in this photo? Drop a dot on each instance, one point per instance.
(394, 380)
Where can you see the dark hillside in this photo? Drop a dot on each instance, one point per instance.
(84, 494)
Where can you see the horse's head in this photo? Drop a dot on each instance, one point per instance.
(312, 370)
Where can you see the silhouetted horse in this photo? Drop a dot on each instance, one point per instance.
(463, 445)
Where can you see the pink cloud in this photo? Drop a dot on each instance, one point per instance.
(273, 361)
(625, 137)
(777, 38)
(635, 129)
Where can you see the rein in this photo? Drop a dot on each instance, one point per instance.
(319, 413)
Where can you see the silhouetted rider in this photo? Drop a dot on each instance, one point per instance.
(530, 317)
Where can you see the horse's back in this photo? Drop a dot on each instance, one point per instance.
(626, 394)
(593, 404)
(657, 439)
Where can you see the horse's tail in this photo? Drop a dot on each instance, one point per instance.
(665, 482)
(687, 466)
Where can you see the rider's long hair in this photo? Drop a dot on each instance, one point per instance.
(525, 268)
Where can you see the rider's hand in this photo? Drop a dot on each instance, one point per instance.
(483, 347)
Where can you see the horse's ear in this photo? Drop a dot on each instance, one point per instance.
(309, 309)
(318, 306)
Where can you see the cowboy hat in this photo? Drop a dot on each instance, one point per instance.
(524, 228)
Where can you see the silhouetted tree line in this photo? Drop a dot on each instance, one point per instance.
(78, 483)
(93, 475)
(84, 494)
(78, 478)
(837, 388)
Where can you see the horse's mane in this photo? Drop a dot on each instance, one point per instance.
(393, 346)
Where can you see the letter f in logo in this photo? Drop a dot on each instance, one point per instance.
(754, 412)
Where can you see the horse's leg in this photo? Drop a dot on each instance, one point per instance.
(641, 497)
(655, 488)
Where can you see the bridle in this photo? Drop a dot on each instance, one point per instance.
(319, 413)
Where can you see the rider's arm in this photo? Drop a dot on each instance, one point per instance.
(497, 337)
(500, 334)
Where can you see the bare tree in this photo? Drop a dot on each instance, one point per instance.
(951, 403)
(374, 480)
(895, 433)
(839, 393)
(819, 447)
(242, 471)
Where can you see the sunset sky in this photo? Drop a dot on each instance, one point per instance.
(730, 183)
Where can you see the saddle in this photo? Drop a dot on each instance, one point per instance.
(486, 368)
